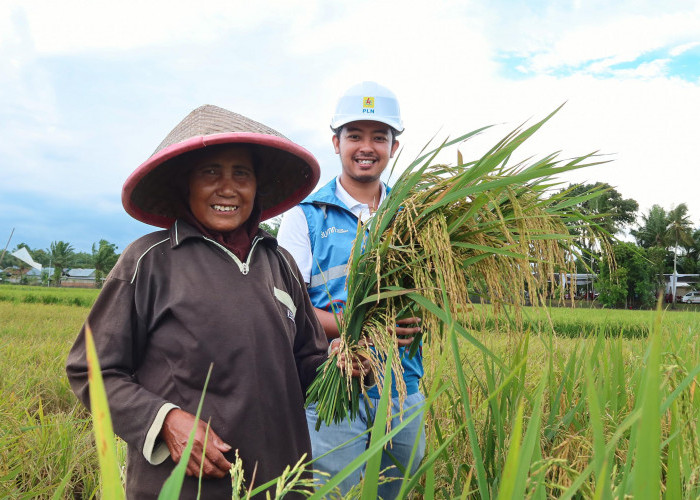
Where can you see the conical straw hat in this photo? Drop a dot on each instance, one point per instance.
(286, 173)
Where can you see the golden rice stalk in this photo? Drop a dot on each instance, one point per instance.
(447, 232)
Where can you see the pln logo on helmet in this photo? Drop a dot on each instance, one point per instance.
(368, 105)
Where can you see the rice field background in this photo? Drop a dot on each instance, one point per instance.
(606, 407)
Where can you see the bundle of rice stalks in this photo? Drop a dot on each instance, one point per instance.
(485, 228)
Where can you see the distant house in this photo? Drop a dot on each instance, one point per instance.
(34, 275)
(6, 274)
(684, 284)
(582, 283)
(14, 274)
(78, 278)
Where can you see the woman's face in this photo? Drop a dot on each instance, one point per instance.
(222, 188)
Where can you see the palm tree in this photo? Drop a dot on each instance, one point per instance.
(61, 254)
(678, 231)
(692, 258)
(652, 230)
(666, 230)
(679, 228)
(104, 257)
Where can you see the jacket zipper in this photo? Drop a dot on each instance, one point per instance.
(243, 267)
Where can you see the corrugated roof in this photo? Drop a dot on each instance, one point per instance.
(81, 273)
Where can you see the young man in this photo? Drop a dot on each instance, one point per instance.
(319, 234)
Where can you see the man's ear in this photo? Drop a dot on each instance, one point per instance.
(336, 144)
(394, 147)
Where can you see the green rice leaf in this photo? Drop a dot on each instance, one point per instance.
(674, 485)
(596, 422)
(102, 424)
(647, 468)
(473, 439)
(173, 485)
(371, 484)
(530, 441)
(507, 487)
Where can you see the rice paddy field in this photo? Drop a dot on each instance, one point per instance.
(590, 403)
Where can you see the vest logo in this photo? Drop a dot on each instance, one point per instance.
(290, 315)
(331, 230)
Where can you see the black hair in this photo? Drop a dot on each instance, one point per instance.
(392, 130)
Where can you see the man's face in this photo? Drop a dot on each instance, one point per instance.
(365, 148)
(222, 188)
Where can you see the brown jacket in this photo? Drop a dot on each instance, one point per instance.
(176, 302)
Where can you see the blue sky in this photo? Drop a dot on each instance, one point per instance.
(85, 99)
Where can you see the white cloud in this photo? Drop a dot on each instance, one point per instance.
(676, 51)
(598, 32)
(72, 26)
(83, 101)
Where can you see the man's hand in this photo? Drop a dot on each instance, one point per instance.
(405, 335)
(360, 364)
(176, 431)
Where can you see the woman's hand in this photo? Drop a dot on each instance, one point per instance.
(176, 431)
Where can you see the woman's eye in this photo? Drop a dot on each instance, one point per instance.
(206, 171)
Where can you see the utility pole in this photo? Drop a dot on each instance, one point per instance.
(7, 245)
(675, 277)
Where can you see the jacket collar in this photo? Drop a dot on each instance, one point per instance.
(181, 231)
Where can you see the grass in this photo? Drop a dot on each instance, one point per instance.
(45, 440)
(81, 297)
(598, 395)
(568, 416)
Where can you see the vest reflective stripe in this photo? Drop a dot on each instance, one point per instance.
(324, 277)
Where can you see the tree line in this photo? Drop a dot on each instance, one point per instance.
(62, 256)
(664, 240)
(631, 273)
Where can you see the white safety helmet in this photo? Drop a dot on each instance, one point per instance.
(368, 101)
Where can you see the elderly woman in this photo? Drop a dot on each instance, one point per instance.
(212, 288)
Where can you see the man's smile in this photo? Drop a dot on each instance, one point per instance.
(368, 162)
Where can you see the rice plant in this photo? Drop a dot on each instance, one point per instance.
(590, 424)
(484, 227)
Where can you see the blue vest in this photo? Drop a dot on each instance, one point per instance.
(332, 230)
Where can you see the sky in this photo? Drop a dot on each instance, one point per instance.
(89, 88)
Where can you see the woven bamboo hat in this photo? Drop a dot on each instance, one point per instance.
(285, 172)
